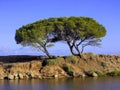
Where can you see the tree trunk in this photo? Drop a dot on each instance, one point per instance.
(71, 49)
(77, 49)
(73, 53)
(47, 53)
(79, 52)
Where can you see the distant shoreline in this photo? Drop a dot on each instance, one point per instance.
(20, 58)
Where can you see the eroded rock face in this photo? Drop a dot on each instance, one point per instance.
(2, 73)
(2, 77)
(76, 74)
(32, 66)
(52, 71)
(91, 66)
(2, 70)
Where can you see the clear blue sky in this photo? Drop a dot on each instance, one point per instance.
(15, 13)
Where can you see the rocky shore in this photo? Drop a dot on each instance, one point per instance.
(69, 66)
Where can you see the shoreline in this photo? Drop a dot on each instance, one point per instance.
(36, 67)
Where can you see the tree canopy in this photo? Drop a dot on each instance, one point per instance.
(77, 32)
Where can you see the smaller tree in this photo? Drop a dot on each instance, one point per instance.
(79, 32)
(37, 36)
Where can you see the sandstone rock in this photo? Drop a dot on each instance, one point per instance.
(27, 76)
(35, 76)
(10, 77)
(20, 76)
(32, 75)
(50, 71)
(35, 65)
(55, 76)
(39, 77)
(91, 74)
(1, 77)
(83, 75)
(1, 70)
(94, 74)
(16, 77)
(15, 74)
(75, 74)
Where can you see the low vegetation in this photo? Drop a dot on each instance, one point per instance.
(114, 73)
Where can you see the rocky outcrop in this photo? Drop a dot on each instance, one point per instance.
(91, 74)
(71, 66)
(94, 74)
(52, 71)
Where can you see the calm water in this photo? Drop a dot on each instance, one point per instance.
(104, 83)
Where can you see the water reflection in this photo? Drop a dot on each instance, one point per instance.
(104, 83)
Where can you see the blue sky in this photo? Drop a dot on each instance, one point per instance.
(15, 13)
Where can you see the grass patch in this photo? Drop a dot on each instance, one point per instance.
(114, 73)
(99, 73)
(51, 62)
(56, 61)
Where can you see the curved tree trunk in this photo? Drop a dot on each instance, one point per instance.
(79, 52)
(77, 48)
(44, 49)
(72, 51)
(47, 53)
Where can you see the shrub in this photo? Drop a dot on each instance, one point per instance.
(68, 69)
(51, 62)
(60, 60)
(72, 59)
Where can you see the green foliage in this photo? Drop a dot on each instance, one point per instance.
(51, 62)
(78, 31)
(50, 45)
(36, 35)
(72, 59)
(114, 73)
(60, 61)
(99, 73)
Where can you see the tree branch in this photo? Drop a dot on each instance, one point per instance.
(81, 41)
